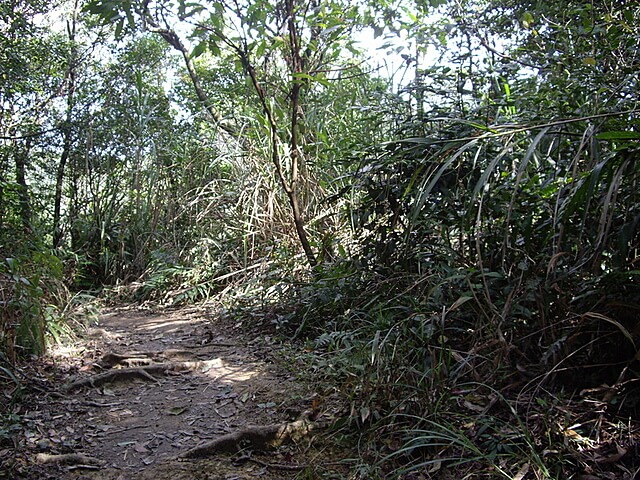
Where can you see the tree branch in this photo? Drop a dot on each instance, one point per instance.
(172, 39)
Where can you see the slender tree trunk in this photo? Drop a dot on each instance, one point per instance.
(57, 206)
(419, 86)
(302, 233)
(297, 66)
(66, 130)
(22, 160)
(4, 163)
(289, 186)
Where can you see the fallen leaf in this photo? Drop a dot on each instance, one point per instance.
(108, 392)
(473, 407)
(364, 413)
(226, 411)
(140, 448)
(613, 457)
(522, 472)
(435, 466)
(176, 410)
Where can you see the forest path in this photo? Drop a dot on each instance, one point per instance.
(145, 389)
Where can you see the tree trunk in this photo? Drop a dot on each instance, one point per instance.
(22, 159)
(297, 67)
(66, 130)
(4, 163)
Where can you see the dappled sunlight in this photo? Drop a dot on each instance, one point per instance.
(218, 368)
(164, 325)
(65, 351)
(193, 352)
(227, 373)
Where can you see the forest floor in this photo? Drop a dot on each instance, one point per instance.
(189, 394)
(171, 395)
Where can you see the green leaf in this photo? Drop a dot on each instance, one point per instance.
(214, 48)
(119, 28)
(130, 19)
(262, 46)
(176, 410)
(462, 300)
(433, 179)
(375, 347)
(199, 49)
(377, 31)
(306, 76)
(618, 135)
(330, 30)
(527, 20)
(365, 412)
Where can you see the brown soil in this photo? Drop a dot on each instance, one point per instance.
(170, 395)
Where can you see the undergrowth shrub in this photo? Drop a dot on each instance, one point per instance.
(23, 325)
(37, 307)
(488, 275)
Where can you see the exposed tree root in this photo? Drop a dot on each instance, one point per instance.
(144, 372)
(134, 359)
(67, 459)
(109, 377)
(258, 437)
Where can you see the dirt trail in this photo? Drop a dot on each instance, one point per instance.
(161, 386)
